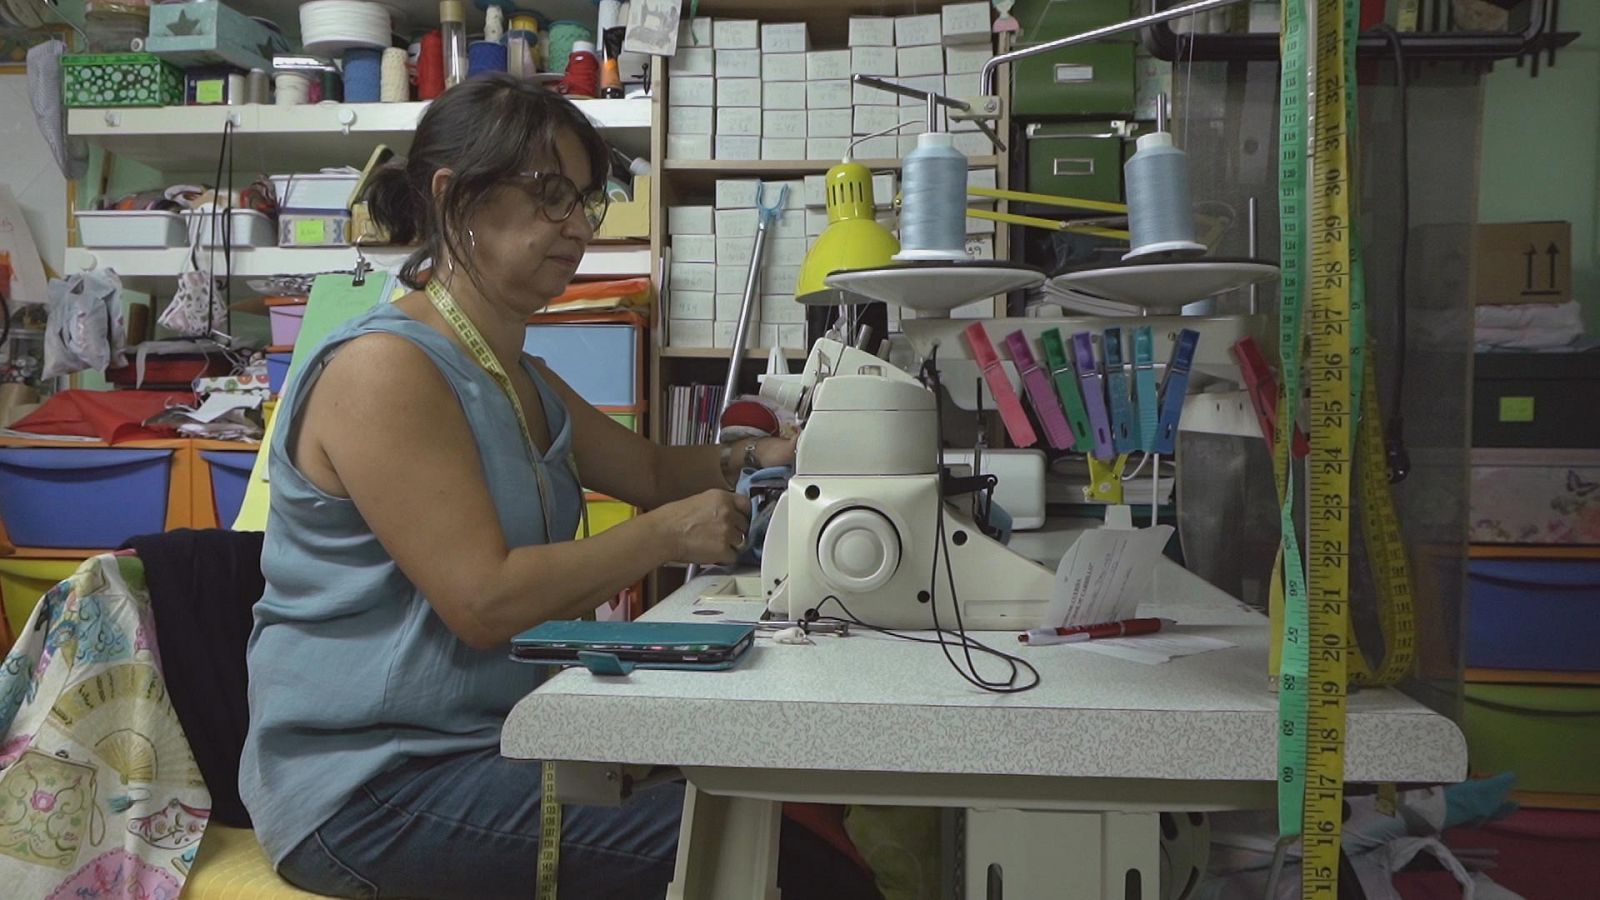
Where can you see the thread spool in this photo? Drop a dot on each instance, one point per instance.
(933, 212)
(395, 83)
(608, 15)
(484, 57)
(258, 87)
(332, 88)
(430, 66)
(520, 46)
(292, 88)
(582, 77)
(1160, 212)
(363, 75)
(563, 38)
(494, 25)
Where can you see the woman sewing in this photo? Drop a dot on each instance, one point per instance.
(425, 493)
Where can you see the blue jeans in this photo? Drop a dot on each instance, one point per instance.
(467, 827)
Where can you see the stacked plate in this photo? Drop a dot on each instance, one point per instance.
(330, 27)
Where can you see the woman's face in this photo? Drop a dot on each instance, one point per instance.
(523, 258)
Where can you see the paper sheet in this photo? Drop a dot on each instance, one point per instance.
(1104, 575)
(1154, 649)
(220, 403)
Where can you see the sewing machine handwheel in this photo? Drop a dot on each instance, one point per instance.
(859, 550)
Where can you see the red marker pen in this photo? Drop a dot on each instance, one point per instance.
(1077, 633)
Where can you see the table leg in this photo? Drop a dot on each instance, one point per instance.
(727, 848)
(1016, 854)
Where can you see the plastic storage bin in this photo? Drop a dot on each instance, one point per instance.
(119, 79)
(1548, 734)
(286, 316)
(278, 370)
(83, 497)
(600, 361)
(249, 228)
(131, 228)
(230, 475)
(626, 420)
(313, 228)
(320, 191)
(1533, 614)
(24, 581)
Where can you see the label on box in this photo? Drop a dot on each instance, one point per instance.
(688, 333)
(828, 95)
(734, 251)
(867, 95)
(694, 248)
(965, 23)
(689, 120)
(692, 277)
(783, 148)
(966, 60)
(699, 305)
(738, 63)
(693, 61)
(925, 60)
(783, 95)
(689, 146)
(781, 124)
(735, 193)
(310, 231)
(1516, 409)
(210, 90)
(914, 31)
(871, 31)
(738, 147)
(689, 220)
(734, 34)
(869, 119)
(784, 67)
(980, 247)
(738, 92)
(784, 37)
(828, 65)
(872, 61)
(828, 123)
(692, 90)
(778, 279)
(734, 121)
(786, 251)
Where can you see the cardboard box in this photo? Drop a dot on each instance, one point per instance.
(915, 31)
(827, 148)
(781, 309)
(735, 193)
(737, 222)
(794, 185)
(790, 222)
(689, 120)
(693, 305)
(693, 61)
(783, 123)
(792, 337)
(695, 32)
(689, 146)
(828, 123)
(692, 90)
(783, 95)
(871, 31)
(785, 37)
(966, 85)
(769, 335)
(870, 119)
(933, 84)
(981, 247)
(980, 226)
(728, 303)
(778, 279)
(914, 61)
(828, 94)
(908, 143)
(866, 95)
(735, 34)
(689, 220)
(734, 251)
(722, 334)
(789, 251)
(883, 187)
(965, 23)
(967, 60)
(692, 277)
(881, 147)
(982, 178)
(814, 194)
(730, 279)
(816, 222)
(1521, 262)
(738, 63)
(828, 65)
(689, 333)
(738, 92)
(784, 67)
(783, 148)
(733, 121)
(694, 248)
(737, 147)
(974, 143)
(872, 61)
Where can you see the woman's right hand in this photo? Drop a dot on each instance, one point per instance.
(707, 528)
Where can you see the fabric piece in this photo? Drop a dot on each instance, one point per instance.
(1532, 326)
(110, 416)
(84, 330)
(99, 794)
(331, 704)
(44, 94)
(231, 866)
(203, 586)
(772, 477)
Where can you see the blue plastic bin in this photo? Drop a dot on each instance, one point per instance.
(230, 476)
(1534, 614)
(278, 370)
(601, 362)
(88, 497)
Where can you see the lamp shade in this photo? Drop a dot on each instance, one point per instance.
(852, 240)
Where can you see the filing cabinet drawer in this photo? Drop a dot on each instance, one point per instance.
(1090, 80)
(1085, 163)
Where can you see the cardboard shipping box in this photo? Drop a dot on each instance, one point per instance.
(1522, 262)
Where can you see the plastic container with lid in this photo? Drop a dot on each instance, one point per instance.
(453, 26)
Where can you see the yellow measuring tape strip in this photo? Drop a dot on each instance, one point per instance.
(549, 810)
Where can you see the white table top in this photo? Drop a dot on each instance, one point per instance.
(874, 704)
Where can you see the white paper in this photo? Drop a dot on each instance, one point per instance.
(221, 403)
(1104, 575)
(652, 27)
(27, 269)
(1153, 649)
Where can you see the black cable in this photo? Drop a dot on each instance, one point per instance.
(1394, 431)
(1015, 663)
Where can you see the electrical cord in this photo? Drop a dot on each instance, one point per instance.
(1398, 459)
(1015, 663)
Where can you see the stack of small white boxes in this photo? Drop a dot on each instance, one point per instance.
(743, 90)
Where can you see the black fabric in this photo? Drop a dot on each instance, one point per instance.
(203, 585)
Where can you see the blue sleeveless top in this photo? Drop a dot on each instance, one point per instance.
(351, 670)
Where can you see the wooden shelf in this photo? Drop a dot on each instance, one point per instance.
(1528, 676)
(722, 352)
(792, 166)
(1531, 551)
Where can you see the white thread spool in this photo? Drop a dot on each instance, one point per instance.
(494, 24)
(395, 84)
(293, 88)
(1160, 212)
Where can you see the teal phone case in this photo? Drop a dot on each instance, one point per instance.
(647, 645)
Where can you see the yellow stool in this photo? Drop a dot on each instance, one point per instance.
(231, 866)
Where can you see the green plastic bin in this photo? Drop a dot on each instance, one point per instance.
(119, 79)
(1548, 734)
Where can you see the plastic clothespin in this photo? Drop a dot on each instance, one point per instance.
(1036, 381)
(1105, 480)
(1094, 395)
(1174, 387)
(1124, 429)
(1055, 353)
(1144, 386)
(1262, 386)
(1005, 398)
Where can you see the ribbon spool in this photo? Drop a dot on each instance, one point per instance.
(430, 66)
(485, 56)
(394, 81)
(494, 24)
(933, 212)
(582, 68)
(563, 37)
(362, 75)
(258, 87)
(293, 88)
(1160, 212)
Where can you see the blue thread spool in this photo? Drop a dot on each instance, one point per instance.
(485, 56)
(1160, 212)
(933, 211)
(363, 79)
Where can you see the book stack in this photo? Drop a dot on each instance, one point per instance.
(692, 413)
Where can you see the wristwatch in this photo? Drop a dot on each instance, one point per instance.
(750, 460)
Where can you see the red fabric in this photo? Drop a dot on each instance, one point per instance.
(826, 821)
(110, 416)
(1545, 854)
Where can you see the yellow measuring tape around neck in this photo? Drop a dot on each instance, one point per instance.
(549, 810)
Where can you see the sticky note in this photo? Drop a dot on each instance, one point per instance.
(209, 90)
(1516, 409)
(310, 231)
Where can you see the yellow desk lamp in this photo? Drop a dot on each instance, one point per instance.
(853, 238)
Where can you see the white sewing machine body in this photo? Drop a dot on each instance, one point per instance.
(861, 518)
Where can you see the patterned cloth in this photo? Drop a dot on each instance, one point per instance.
(99, 793)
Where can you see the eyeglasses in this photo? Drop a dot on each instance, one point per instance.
(558, 196)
